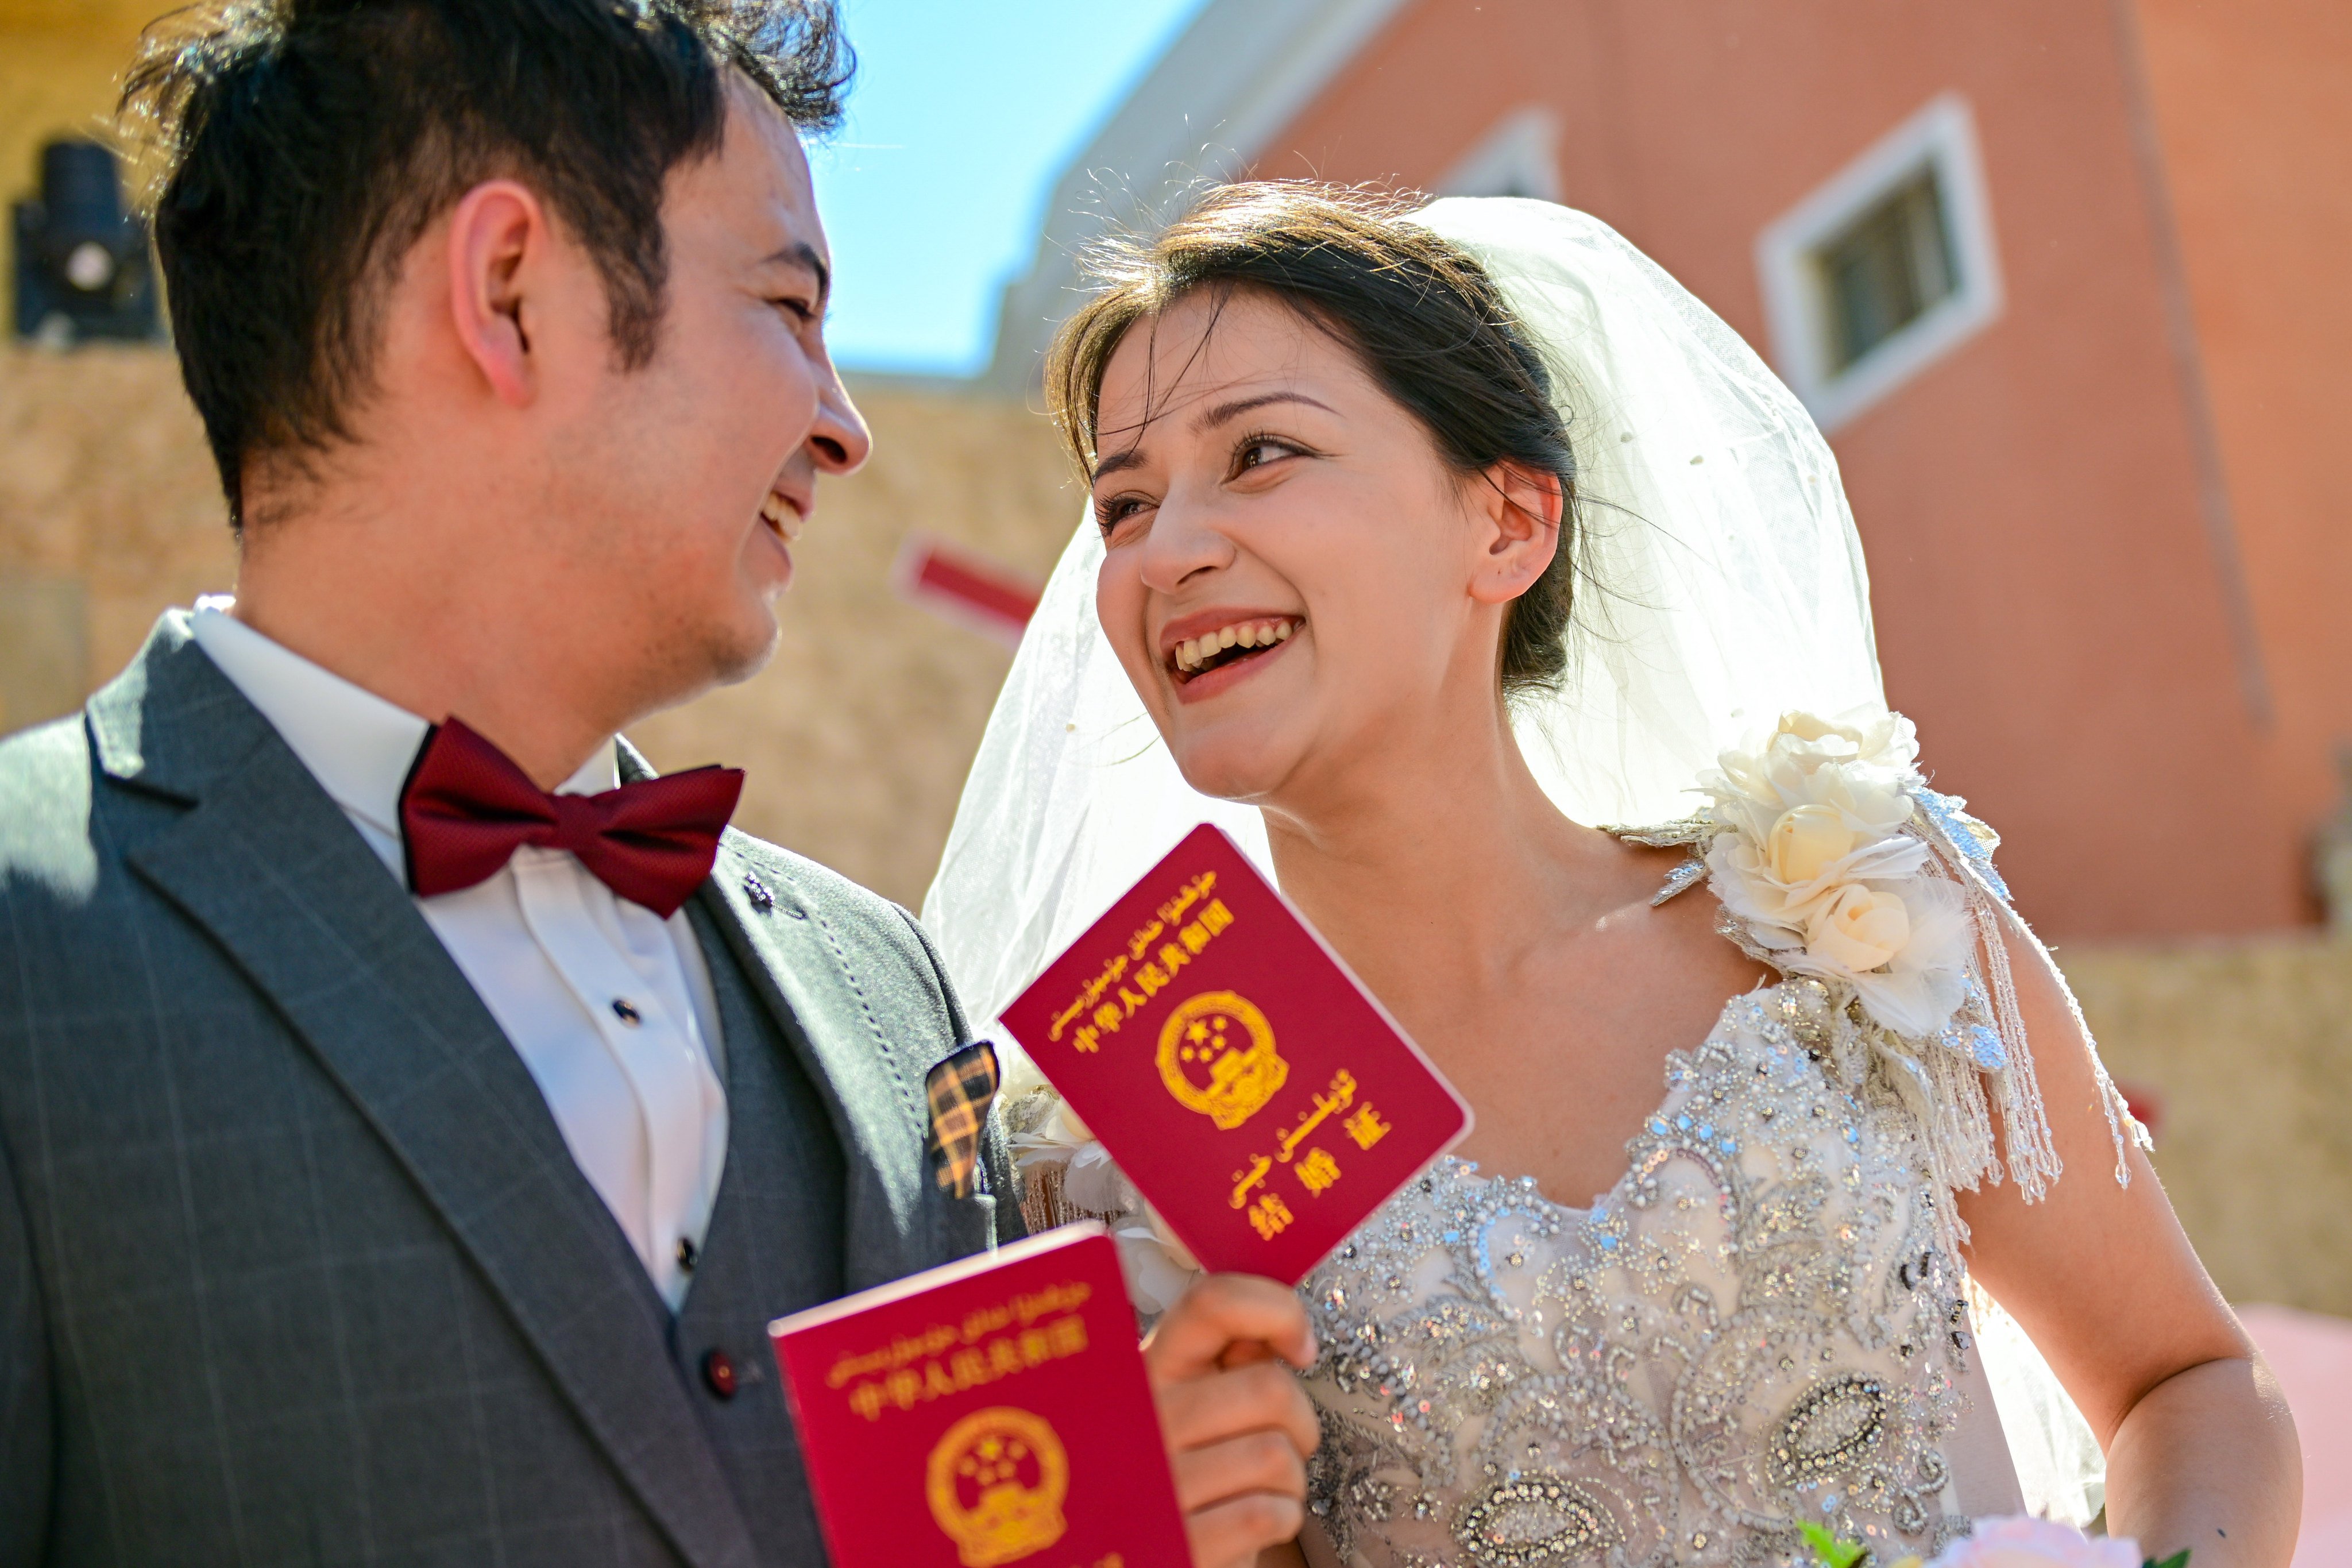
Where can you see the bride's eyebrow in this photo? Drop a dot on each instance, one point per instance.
(1211, 417)
(1132, 457)
(1207, 419)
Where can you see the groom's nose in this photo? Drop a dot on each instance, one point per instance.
(839, 440)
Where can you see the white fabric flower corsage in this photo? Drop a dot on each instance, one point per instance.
(1815, 857)
(1066, 1174)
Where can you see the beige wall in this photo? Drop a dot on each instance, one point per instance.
(106, 494)
(856, 736)
(2250, 1044)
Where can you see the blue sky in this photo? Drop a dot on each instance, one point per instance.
(963, 114)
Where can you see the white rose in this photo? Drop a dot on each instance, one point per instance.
(1869, 735)
(1864, 765)
(1859, 928)
(1806, 841)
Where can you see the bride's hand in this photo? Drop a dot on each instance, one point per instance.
(1237, 1425)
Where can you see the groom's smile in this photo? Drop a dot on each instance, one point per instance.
(743, 410)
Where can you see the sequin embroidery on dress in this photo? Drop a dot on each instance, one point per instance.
(1757, 1325)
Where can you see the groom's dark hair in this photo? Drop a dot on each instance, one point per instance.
(303, 146)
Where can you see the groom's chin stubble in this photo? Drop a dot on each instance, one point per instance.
(741, 661)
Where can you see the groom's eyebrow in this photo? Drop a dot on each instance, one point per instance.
(802, 254)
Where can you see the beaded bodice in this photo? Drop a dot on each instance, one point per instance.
(1756, 1326)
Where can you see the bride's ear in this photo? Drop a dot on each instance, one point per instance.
(1515, 513)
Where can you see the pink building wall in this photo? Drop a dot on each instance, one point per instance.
(2140, 688)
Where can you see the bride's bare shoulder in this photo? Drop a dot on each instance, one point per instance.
(1667, 913)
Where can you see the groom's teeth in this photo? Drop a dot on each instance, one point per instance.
(782, 515)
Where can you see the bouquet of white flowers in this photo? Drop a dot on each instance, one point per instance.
(2006, 1543)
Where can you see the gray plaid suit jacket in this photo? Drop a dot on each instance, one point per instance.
(294, 1264)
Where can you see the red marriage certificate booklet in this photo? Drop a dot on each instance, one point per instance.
(993, 1411)
(1249, 1087)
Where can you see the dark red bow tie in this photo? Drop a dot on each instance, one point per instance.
(466, 808)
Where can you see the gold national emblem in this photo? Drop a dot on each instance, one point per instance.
(995, 1484)
(1217, 1056)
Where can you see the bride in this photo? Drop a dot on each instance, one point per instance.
(1422, 545)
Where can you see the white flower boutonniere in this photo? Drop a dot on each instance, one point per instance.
(1816, 857)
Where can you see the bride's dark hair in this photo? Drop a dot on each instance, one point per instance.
(1419, 311)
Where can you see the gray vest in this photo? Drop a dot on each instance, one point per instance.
(774, 1246)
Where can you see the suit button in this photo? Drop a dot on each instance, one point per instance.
(718, 1373)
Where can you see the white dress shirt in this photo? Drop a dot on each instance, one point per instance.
(609, 1005)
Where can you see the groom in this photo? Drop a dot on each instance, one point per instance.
(410, 1111)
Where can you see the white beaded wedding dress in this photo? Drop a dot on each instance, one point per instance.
(1761, 1322)
(1767, 1320)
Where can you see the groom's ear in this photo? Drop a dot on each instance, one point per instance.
(1518, 510)
(500, 246)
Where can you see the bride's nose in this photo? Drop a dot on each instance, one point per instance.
(1184, 543)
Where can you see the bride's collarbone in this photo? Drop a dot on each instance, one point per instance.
(1561, 1068)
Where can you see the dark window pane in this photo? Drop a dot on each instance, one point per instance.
(1887, 269)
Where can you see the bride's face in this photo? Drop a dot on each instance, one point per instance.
(1290, 568)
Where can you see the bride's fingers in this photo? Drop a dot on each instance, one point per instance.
(1219, 1313)
(1208, 1410)
(1238, 1426)
(1239, 1466)
(1231, 1534)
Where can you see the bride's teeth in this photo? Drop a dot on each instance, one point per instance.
(1194, 653)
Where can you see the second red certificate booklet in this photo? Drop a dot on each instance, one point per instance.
(1249, 1087)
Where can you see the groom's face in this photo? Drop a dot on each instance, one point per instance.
(682, 484)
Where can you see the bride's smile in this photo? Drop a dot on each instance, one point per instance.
(1231, 640)
(1294, 574)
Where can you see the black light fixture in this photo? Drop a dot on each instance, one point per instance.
(83, 266)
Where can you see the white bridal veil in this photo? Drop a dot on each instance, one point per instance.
(1724, 583)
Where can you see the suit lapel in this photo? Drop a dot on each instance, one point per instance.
(268, 865)
(799, 974)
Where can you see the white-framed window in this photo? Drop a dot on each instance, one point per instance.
(1517, 158)
(1883, 269)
